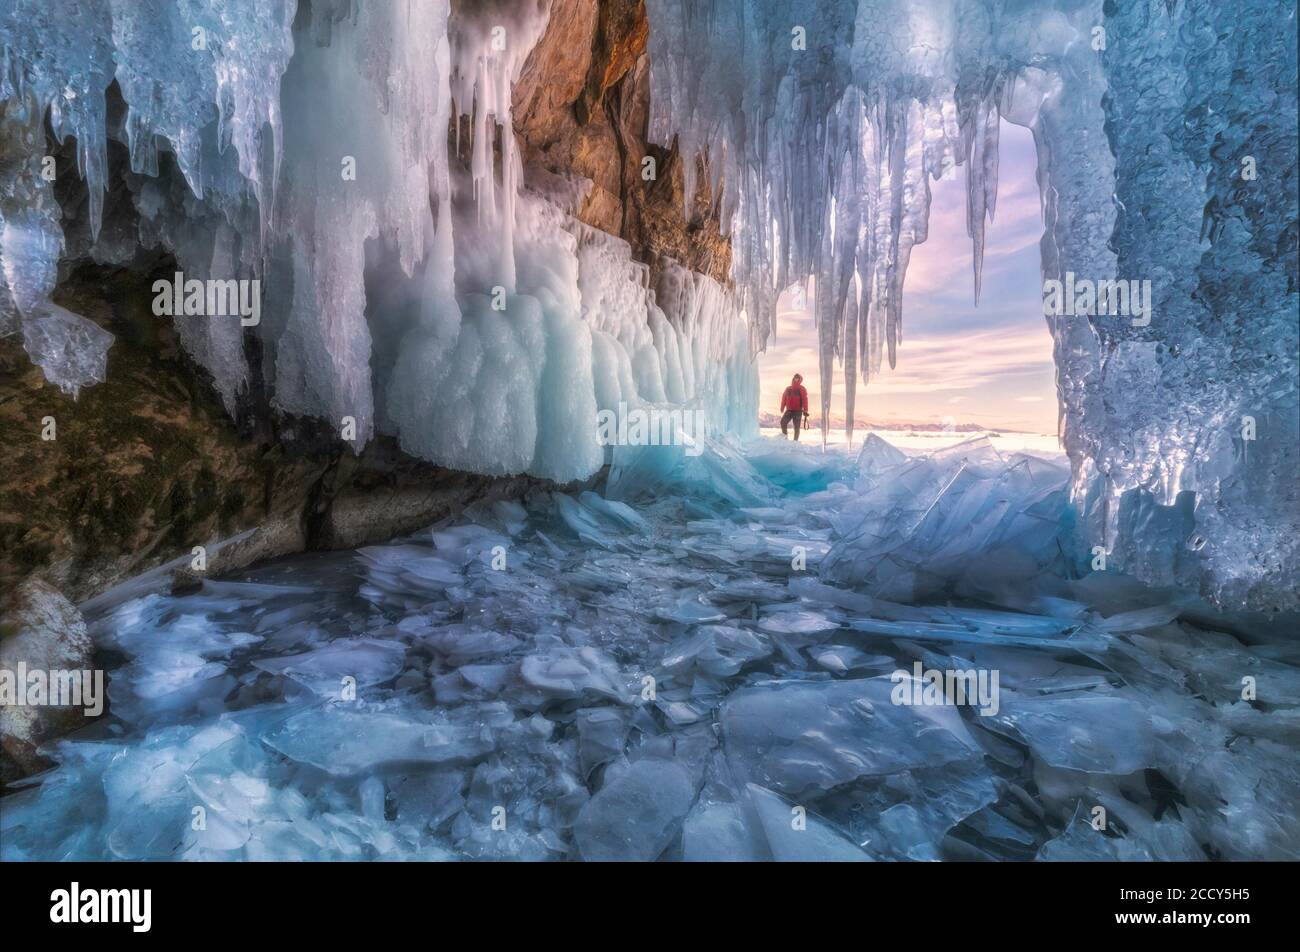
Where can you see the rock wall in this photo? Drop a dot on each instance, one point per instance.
(582, 107)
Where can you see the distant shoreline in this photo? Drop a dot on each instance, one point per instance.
(772, 421)
(1016, 441)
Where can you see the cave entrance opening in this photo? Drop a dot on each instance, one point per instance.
(964, 369)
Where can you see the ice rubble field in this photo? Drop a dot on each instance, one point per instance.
(520, 695)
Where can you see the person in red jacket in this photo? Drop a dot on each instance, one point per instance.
(794, 406)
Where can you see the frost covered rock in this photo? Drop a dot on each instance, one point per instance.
(41, 632)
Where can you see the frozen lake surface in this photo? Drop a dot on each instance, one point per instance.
(697, 663)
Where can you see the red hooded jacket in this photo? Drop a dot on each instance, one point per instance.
(795, 398)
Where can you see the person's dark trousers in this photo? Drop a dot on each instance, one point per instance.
(791, 415)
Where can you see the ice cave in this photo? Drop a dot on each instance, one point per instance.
(309, 310)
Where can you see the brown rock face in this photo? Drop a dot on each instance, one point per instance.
(582, 107)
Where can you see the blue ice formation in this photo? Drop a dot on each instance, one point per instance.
(1167, 151)
(682, 672)
(314, 156)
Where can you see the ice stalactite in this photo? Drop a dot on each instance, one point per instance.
(70, 350)
(365, 133)
(62, 55)
(200, 79)
(712, 338)
(980, 136)
(227, 69)
(358, 160)
(826, 121)
(492, 42)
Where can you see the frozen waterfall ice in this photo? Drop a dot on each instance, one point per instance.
(405, 269)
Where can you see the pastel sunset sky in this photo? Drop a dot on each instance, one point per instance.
(990, 365)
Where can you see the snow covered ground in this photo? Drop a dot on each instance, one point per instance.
(714, 658)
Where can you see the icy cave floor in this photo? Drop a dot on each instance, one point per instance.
(675, 676)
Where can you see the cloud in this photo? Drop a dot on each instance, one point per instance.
(965, 361)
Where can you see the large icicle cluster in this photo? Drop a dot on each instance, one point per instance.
(825, 121)
(201, 78)
(358, 159)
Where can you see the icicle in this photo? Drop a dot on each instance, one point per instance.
(783, 100)
(850, 351)
(490, 50)
(980, 142)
